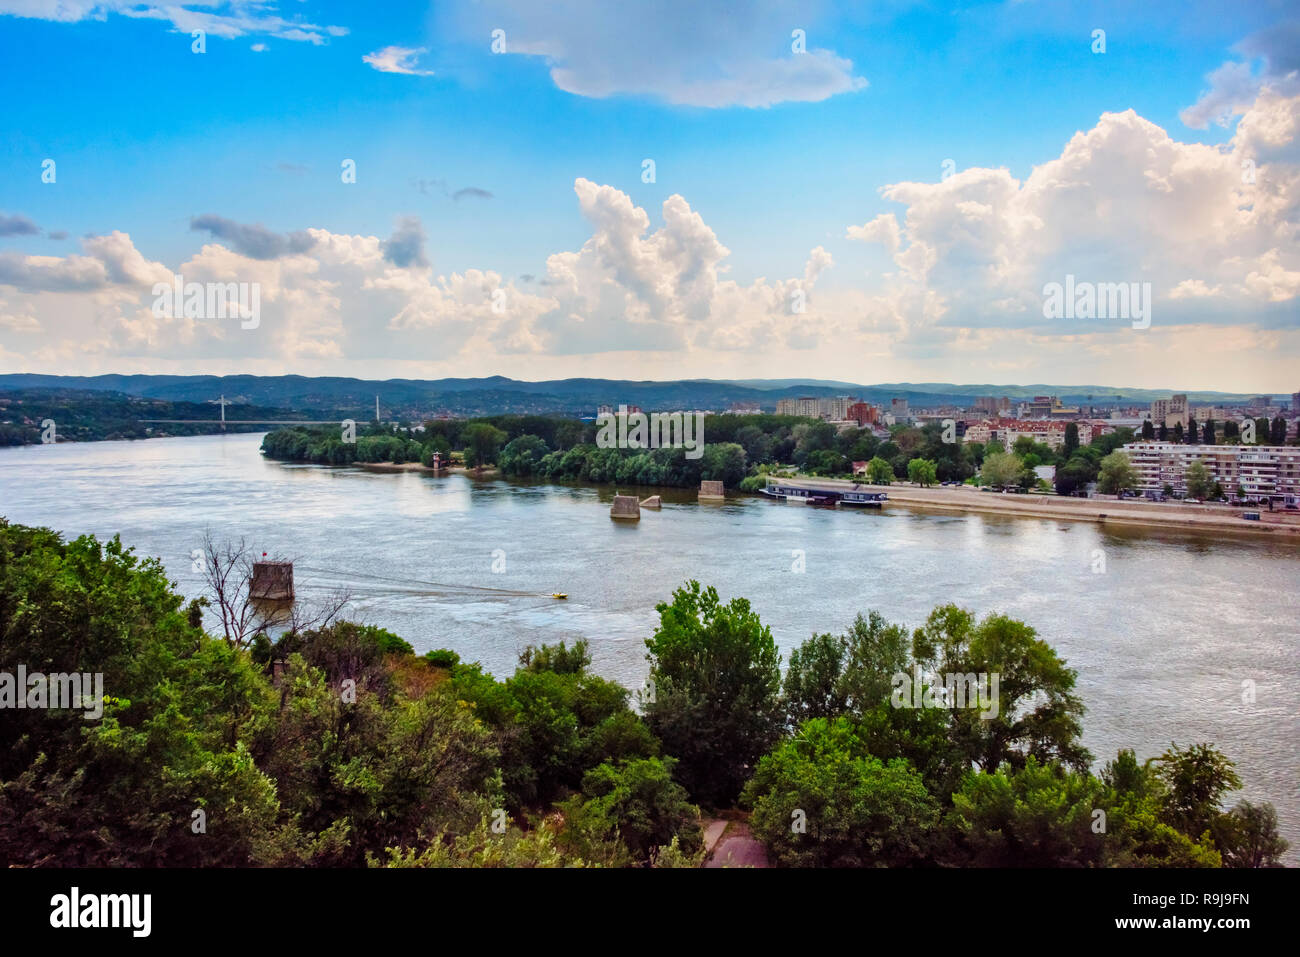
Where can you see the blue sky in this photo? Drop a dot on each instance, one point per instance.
(484, 150)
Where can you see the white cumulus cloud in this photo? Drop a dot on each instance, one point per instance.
(398, 60)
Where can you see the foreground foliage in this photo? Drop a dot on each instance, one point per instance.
(338, 746)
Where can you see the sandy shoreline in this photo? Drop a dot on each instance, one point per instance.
(391, 467)
(487, 473)
(1102, 511)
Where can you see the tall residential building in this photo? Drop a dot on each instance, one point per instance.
(804, 405)
(835, 409)
(987, 403)
(863, 413)
(1170, 411)
(1260, 471)
(832, 409)
(1216, 414)
(1295, 403)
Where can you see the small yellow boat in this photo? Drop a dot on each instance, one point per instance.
(559, 594)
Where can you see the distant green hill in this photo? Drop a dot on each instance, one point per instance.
(81, 415)
(412, 398)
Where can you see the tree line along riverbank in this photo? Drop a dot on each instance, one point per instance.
(737, 451)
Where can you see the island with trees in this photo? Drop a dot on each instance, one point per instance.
(739, 451)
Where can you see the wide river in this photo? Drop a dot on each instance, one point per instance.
(1163, 638)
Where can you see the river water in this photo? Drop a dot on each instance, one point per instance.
(1163, 637)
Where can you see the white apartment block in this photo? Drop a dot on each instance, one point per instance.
(804, 405)
(834, 409)
(1260, 471)
(1216, 414)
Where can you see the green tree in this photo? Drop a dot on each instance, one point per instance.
(724, 462)
(1195, 779)
(1039, 815)
(1117, 474)
(756, 443)
(555, 716)
(1036, 712)
(552, 721)
(638, 803)
(1001, 468)
(922, 471)
(812, 686)
(716, 675)
(826, 462)
(523, 455)
(876, 651)
(117, 784)
(1148, 430)
(1263, 431)
(482, 442)
(879, 472)
(371, 767)
(557, 658)
(820, 799)
(1071, 441)
(832, 675)
(1137, 831)
(1074, 475)
(1277, 431)
(1199, 481)
(1248, 837)
(484, 846)
(569, 433)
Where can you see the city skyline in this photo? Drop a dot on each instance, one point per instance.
(812, 191)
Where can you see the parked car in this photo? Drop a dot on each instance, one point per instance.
(1191, 501)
